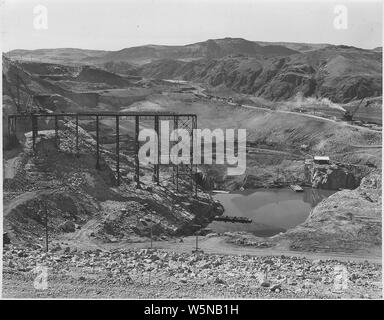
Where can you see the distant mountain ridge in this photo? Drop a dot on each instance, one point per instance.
(297, 46)
(340, 73)
(139, 55)
(274, 71)
(210, 49)
(58, 55)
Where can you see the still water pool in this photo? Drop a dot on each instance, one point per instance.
(271, 210)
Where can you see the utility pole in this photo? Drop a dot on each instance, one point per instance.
(46, 227)
(151, 229)
(77, 135)
(118, 150)
(137, 162)
(197, 249)
(149, 276)
(97, 144)
(18, 92)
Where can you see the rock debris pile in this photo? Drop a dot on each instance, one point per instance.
(190, 275)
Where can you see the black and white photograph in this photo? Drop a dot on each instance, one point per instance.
(191, 150)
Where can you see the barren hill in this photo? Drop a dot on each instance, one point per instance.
(210, 49)
(298, 46)
(340, 73)
(55, 86)
(213, 48)
(275, 71)
(58, 55)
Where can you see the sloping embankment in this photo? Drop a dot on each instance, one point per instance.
(347, 221)
(74, 192)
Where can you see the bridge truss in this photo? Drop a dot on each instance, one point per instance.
(45, 121)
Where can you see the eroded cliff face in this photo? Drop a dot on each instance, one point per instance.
(334, 177)
(347, 221)
(335, 72)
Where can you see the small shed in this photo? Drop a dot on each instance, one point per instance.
(321, 159)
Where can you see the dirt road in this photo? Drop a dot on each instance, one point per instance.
(308, 116)
(200, 92)
(219, 245)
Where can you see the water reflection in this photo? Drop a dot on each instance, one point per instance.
(315, 196)
(272, 210)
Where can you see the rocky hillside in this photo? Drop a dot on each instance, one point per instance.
(210, 49)
(84, 201)
(347, 221)
(274, 71)
(55, 87)
(339, 73)
(95, 75)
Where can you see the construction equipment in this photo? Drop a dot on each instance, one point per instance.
(348, 115)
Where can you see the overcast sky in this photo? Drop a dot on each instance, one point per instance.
(113, 25)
